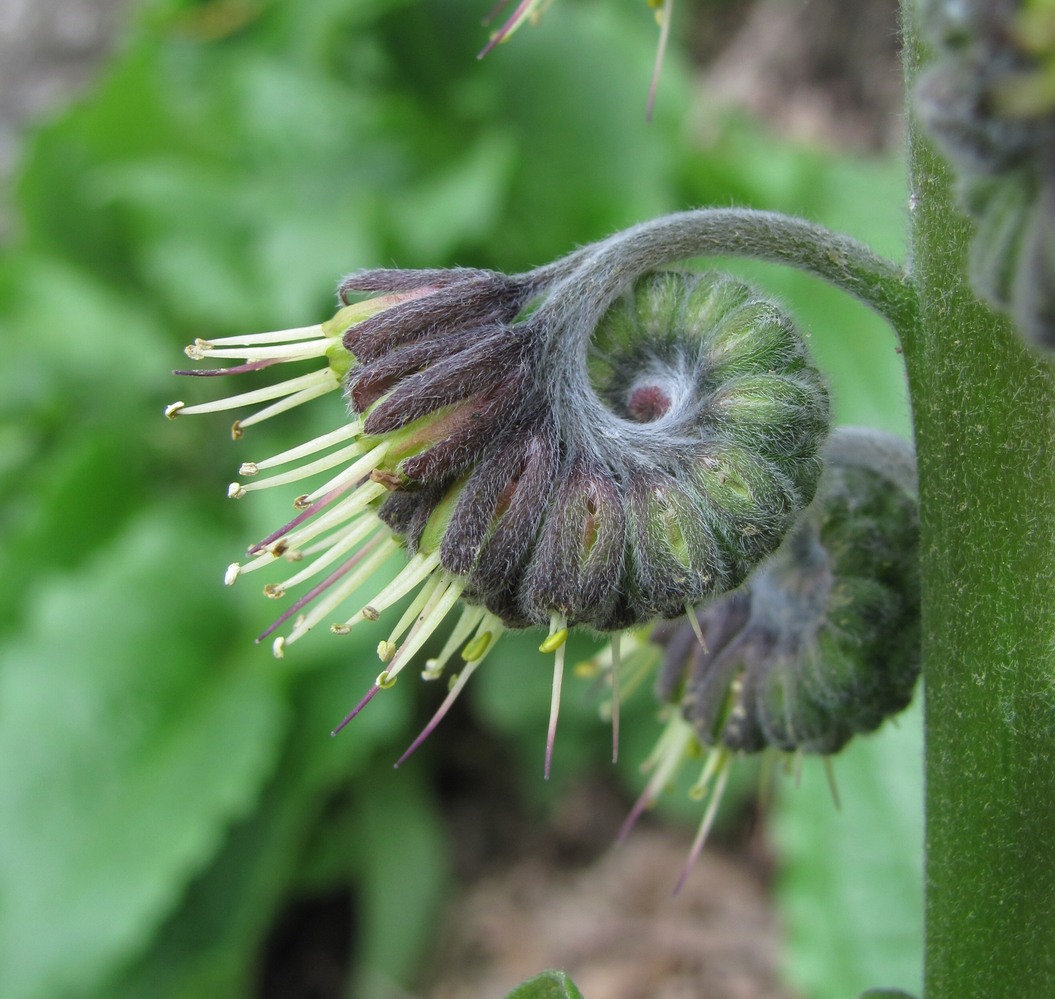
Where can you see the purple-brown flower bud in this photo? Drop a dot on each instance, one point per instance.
(550, 452)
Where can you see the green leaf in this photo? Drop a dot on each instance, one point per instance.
(402, 868)
(548, 985)
(132, 741)
(850, 888)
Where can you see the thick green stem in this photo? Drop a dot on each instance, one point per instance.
(984, 412)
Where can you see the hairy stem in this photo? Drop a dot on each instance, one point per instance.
(598, 272)
(984, 412)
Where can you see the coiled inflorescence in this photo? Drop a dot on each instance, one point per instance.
(573, 446)
(822, 642)
(611, 485)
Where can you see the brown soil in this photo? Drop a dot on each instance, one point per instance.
(612, 922)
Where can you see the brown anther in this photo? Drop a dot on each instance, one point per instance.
(390, 480)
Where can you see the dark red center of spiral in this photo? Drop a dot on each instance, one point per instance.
(647, 403)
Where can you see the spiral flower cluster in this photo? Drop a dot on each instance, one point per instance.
(988, 101)
(821, 643)
(549, 450)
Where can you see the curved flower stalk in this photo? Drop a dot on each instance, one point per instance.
(592, 443)
(822, 641)
(989, 103)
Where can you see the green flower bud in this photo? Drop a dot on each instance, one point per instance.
(822, 642)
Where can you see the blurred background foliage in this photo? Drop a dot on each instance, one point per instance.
(169, 793)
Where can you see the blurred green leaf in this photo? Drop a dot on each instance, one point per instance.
(400, 859)
(851, 885)
(548, 985)
(132, 742)
(306, 837)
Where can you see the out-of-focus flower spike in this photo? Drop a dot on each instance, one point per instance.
(524, 11)
(613, 674)
(664, 8)
(663, 762)
(719, 763)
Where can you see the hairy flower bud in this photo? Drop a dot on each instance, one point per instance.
(822, 642)
(551, 449)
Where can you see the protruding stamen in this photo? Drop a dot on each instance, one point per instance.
(275, 336)
(352, 429)
(339, 513)
(475, 650)
(269, 392)
(522, 11)
(413, 574)
(440, 604)
(829, 770)
(282, 352)
(304, 471)
(325, 381)
(386, 650)
(470, 617)
(555, 640)
(558, 635)
(452, 696)
(664, 34)
(357, 470)
(694, 623)
(423, 596)
(347, 538)
(369, 696)
(341, 573)
(234, 570)
(373, 554)
(173, 409)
